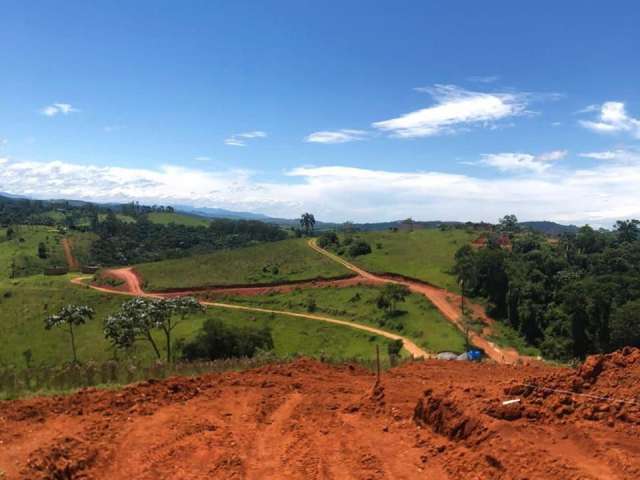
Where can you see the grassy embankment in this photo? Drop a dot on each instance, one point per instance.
(426, 254)
(283, 261)
(418, 319)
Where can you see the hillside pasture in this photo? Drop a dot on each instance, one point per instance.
(425, 254)
(166, 218)
(24, 304)
(19, 254)
(417, 317)
(268, 263)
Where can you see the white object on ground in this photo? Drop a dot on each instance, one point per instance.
(509, 402)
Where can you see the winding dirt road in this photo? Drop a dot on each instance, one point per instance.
(132, 287)
(447, 302)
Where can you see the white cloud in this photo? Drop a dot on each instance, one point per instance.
(619, 155)
(58, 109)
(612, 118)
(597, 195)
(339, 136)
(518, 162)
(240, 139)
(202, 159)
(455, 108)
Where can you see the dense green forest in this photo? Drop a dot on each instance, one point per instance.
(570, 298)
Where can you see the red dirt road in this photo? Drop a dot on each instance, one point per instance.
(307, 420)
(447, 302)
(132, 287)
(72, 261)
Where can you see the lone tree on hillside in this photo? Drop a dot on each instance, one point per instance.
(390, 295)
(138, 318)
(509, 224)
(69, 317)
(307, 222)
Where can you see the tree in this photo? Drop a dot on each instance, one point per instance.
(627, 230)
(217, 340)
(138, 318)
(359, 247)
(625, 325)
(390, 295)
(307, 222)
(42, 250)
(509, 224)
(329, 238)
(69, 317)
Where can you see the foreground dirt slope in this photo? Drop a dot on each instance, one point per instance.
(307, 420)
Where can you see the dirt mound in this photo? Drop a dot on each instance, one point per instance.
(309, 420)
(67, 459)
(604, 388)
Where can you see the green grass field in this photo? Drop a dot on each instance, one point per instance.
(20, 254)
(166, 218)
(273, 262)
(421, 321)
(24, 303)
(426, 254)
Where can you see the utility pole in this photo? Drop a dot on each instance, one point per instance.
(462, 316)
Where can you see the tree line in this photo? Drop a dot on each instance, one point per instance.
(121, 243)
(571, 297)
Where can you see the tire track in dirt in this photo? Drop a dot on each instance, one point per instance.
(132, 288)
(445, 301)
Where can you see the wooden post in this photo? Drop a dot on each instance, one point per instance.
(377, 363)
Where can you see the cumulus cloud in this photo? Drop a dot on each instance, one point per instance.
(620, 155)
(455, 108)
(339, 136)
(58, 109)
(240, 139)
(522, 162)
(597, 195)
(612, 118)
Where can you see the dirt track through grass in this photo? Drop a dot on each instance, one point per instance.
(133, 288)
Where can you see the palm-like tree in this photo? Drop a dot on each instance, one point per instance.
(307, 222)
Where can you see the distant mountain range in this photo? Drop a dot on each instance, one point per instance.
(546, 227)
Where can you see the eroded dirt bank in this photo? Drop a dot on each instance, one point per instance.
(307, 420)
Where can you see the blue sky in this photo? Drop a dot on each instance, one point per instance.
(353, 110)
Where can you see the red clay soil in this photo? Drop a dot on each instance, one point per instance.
(307, 420)
(72, 261)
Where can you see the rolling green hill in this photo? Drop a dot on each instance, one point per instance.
(286, 260)
(425, 254)
(19, 254)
